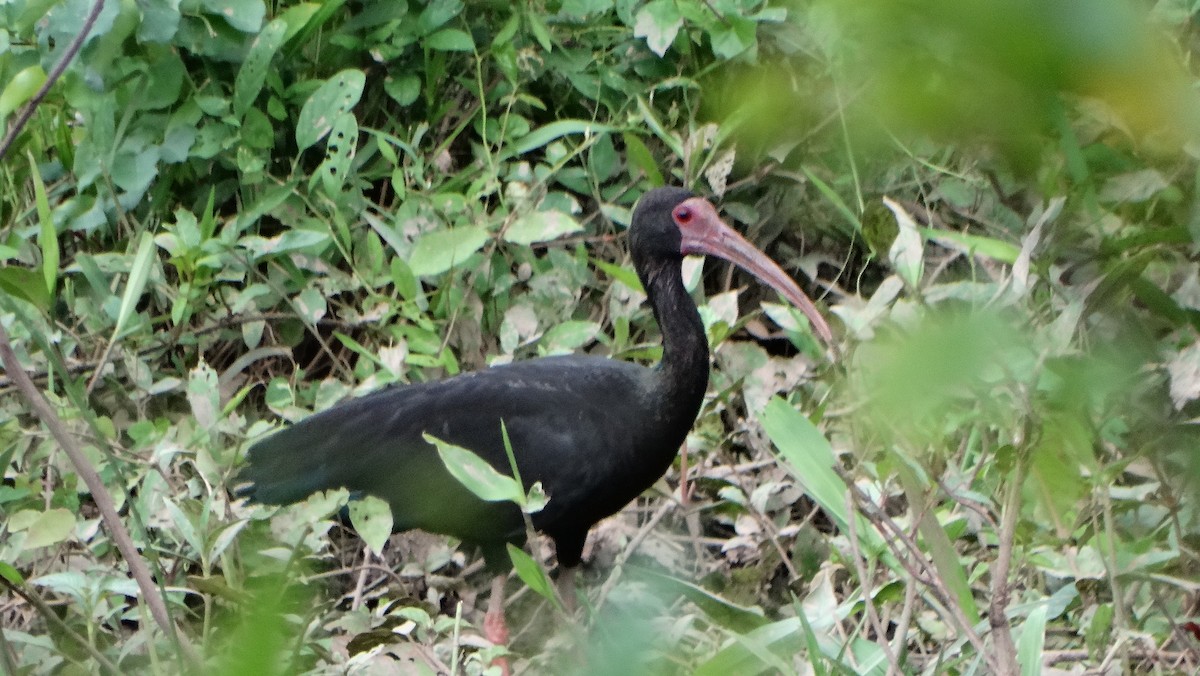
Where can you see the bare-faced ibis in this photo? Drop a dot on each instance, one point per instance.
(596, 432)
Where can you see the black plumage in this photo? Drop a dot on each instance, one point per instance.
(595, 432)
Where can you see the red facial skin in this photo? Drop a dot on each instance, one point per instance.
(703, 232)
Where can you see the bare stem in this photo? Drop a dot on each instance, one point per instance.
(100, 495)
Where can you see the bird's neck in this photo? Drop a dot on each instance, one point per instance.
(683, 372)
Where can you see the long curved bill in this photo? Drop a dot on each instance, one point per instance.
(706, 233)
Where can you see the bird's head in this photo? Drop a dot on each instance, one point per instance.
(670, 223)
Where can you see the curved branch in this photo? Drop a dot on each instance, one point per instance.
(100, 495)
(55, 74)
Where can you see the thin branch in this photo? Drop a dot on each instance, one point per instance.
(1005, 650)
(95, 485)
(918, 568)
(864, 581)
(52, 618)
(55, 74)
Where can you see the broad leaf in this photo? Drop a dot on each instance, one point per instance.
(49, 528)
(328, 103)
(659, 22)
(476, 474)
(372, 520)
(436, 252)
(541, 226)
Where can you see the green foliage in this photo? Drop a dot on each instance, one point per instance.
(228, 214)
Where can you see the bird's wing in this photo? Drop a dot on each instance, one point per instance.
(567, 419)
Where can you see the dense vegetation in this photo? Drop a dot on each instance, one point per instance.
(227, 214)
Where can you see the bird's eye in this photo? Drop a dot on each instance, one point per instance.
(683, 214)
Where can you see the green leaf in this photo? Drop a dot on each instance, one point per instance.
(720, 610)
(808, 456)
(732, 36)
(337, 96)
(554, 131)
(372, 520)
(450, 40)
(310, 304)
(540, 32)
(244, 15)
(204, 395)
(160, 21)
(49, 528)
(11, 574)
(290, 240)
(404, 89)
(1032, 641)
(650, 118)
(358, 348)
(184, 527)
(583, 8)
(974, 244)
(569, 335)
(339, 154)
(531, 573)
(47, 234)
(139, 274)
(507, 32)
(937, 542)
(638, 156)
(659, 22)
(476, 474)
(436, 252)
(253, 73)
(744, 654)
(621, 274)
(541, 226)
(836, 200)
(20, 89)
(25, 284)
(437, 13)
(403, 279)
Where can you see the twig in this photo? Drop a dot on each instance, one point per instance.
(52, 617)
(356, 600)
(864, 581)
(95, 485)
(1005, 650)
(55, 74)
(901, 632)
(900, 543)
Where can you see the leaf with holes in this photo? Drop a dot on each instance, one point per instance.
(339, 154)
(328, 103)
(253, 73)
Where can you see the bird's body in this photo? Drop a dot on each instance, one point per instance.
(595, 432)
(567, 421)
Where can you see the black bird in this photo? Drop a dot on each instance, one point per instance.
(596, 432)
